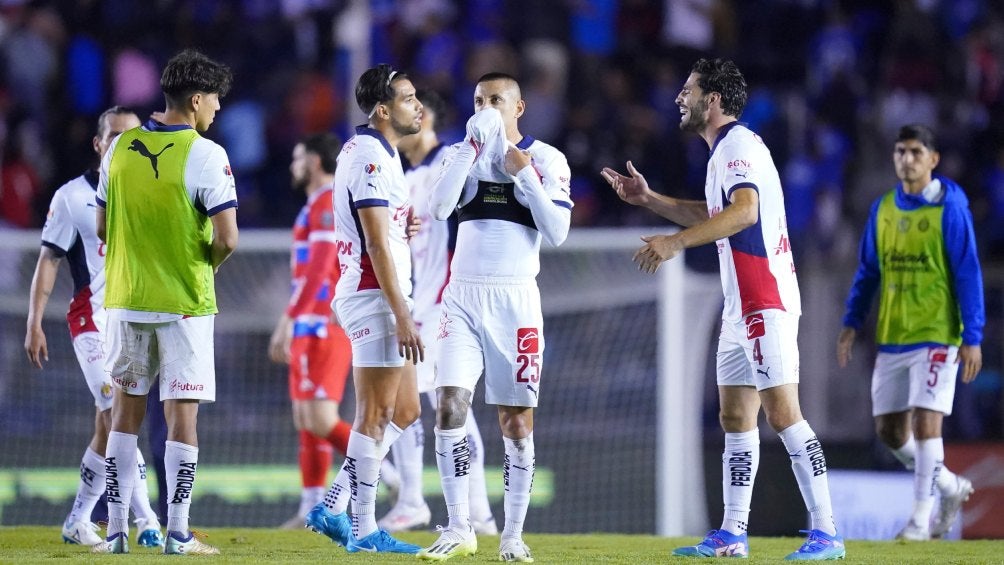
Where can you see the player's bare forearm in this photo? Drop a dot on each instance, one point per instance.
(686, 213)
(41, 288)
(742, 214)
(225, 236)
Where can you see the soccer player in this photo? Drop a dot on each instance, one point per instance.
(431, 250)
(70, 232)
(918, 252)
(305, 338)
(373, 305)
(757, 360)
(167, 210)
(511, 192)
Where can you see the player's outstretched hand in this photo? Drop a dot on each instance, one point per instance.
(36, 347)
(971, 359)
(845, 342)
(657, 248)
(631, 189)
(409, 342)
(279, 343)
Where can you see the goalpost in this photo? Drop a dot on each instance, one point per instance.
(618, 428)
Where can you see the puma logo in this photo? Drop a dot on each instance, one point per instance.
(138, 147)
(763, 372)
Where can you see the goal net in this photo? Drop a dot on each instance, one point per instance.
(618, 440)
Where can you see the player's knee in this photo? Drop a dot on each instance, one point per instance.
(734, 421)
(890, 433)
(406, 415)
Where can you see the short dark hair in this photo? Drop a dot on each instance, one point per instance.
(722, 76)
(326, 146)
(432, 101)
(113, 111)
(918, 132)
(497, 75)
(374, 86)
(189, 72)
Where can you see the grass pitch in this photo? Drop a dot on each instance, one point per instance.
(36, 544)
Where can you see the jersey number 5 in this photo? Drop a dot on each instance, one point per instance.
(529, 368)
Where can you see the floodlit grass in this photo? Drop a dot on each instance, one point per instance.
(35, 544)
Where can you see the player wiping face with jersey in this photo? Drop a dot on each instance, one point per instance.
(511, 192)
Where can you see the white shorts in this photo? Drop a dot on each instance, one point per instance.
(371, 328)
(90, 350)
(760, 350)
(495, 327)
(922, 378)
(179, 353)
(428, 328)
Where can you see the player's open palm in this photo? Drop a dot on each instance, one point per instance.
(632, 189)
(409, 342)
(36, 347)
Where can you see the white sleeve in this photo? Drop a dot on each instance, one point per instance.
(213, 188)
(741, 165)
(101, 197)
(59, 233)
(547, 194)
(368, 182)
(447, 194)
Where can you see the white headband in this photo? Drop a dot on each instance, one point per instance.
(390, 78)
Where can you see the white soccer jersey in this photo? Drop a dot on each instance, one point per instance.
(71, 230)
(757, 269)
(432, 247)
(208, 181)
(498, 235)
(369, 174)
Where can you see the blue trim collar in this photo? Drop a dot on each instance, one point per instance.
(526, 142)
(723, 132)
(154, 125)
(366, 130)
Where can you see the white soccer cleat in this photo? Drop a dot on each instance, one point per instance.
(913, 531)
(451, 543)
(485, 527)
(405, 517)
(119, 543)
(82, 533)
(949, 507)
(177, 544)
(514, 550)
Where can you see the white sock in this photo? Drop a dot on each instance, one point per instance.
(453, 457)
(90, 487)
(362, 463)
(407, 452)
(120, 478)
(740, 462)
(809, 464)
(309, 497)
(480, 509)
(930, 459)
(336, 500)
(517, 471)
(180, 463)
(140, 501)
(389, 475)
(907, 454)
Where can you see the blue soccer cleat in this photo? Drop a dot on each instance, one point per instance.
(150, 538)
(337, 527)
(820, 546)
(718, 543)
(381, 542)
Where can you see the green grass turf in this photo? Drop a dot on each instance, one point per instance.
(35, 544)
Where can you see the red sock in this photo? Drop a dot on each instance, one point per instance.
(339, 436)
(315, 459)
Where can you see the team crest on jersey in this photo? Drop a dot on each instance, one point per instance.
(372, 169)
(106, 391)
(227, 171)
(527, 340)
